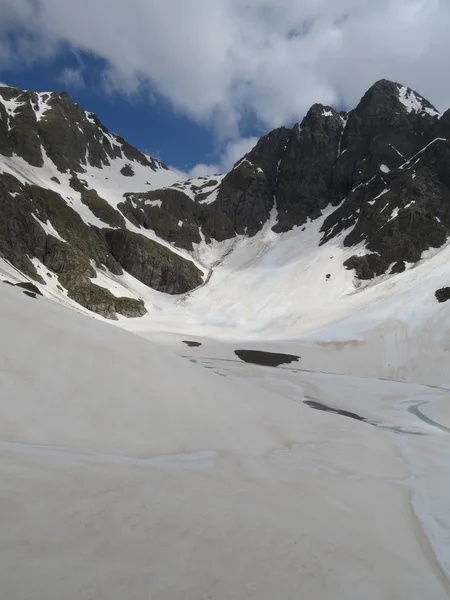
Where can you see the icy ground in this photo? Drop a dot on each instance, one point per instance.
(127, 471)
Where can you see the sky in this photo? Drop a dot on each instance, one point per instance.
(196, 82)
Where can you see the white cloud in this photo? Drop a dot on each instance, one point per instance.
(234, 151)
(218, 61)
(72, 78)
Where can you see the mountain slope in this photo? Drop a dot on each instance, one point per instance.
(109, 225)
(62, 176)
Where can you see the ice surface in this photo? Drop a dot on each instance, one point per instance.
(134, 472)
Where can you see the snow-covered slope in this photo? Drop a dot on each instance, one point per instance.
(283, 244)
(129, 471)
(161, 464)
(288, 287)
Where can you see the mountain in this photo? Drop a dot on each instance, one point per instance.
(279, 426)
(90, 219)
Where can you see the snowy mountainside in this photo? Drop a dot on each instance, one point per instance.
(319, 211)
(62, 176)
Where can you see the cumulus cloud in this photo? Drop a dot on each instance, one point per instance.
(220, 61)
(72, 77)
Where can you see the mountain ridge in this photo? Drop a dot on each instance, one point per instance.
(82, 207)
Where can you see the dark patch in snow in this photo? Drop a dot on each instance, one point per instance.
(351, 415)
(336, 411)
(127, 171)
(29, 287)
(192, 344)
(266, 359)
(443, 294)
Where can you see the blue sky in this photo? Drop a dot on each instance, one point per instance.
(196, 82)
(149, 123)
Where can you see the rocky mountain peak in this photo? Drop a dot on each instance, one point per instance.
(32, 123)
(385, 95)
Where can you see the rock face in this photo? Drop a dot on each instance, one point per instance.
(39, 226)
(153, 264)
(170, 213)
(33, 124)
(101, 209)
(360, 161)
(381, 171)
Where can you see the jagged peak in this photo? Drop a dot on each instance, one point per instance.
(319, 111)
(394, 95)
(57, 112)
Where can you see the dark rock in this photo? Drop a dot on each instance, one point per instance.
(367, 266)
(443, 295)
(153, 264)
(267, 359)
(102, 209)
(77, 184)
(30, 287)
(305, 185)
(143, 210)
(102, 301)
(398, 223)
(127, 171)
(398, 267)
(243, 204)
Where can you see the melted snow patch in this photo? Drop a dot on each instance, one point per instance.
(327, 113)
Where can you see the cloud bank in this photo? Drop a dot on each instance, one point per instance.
(220, 62)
